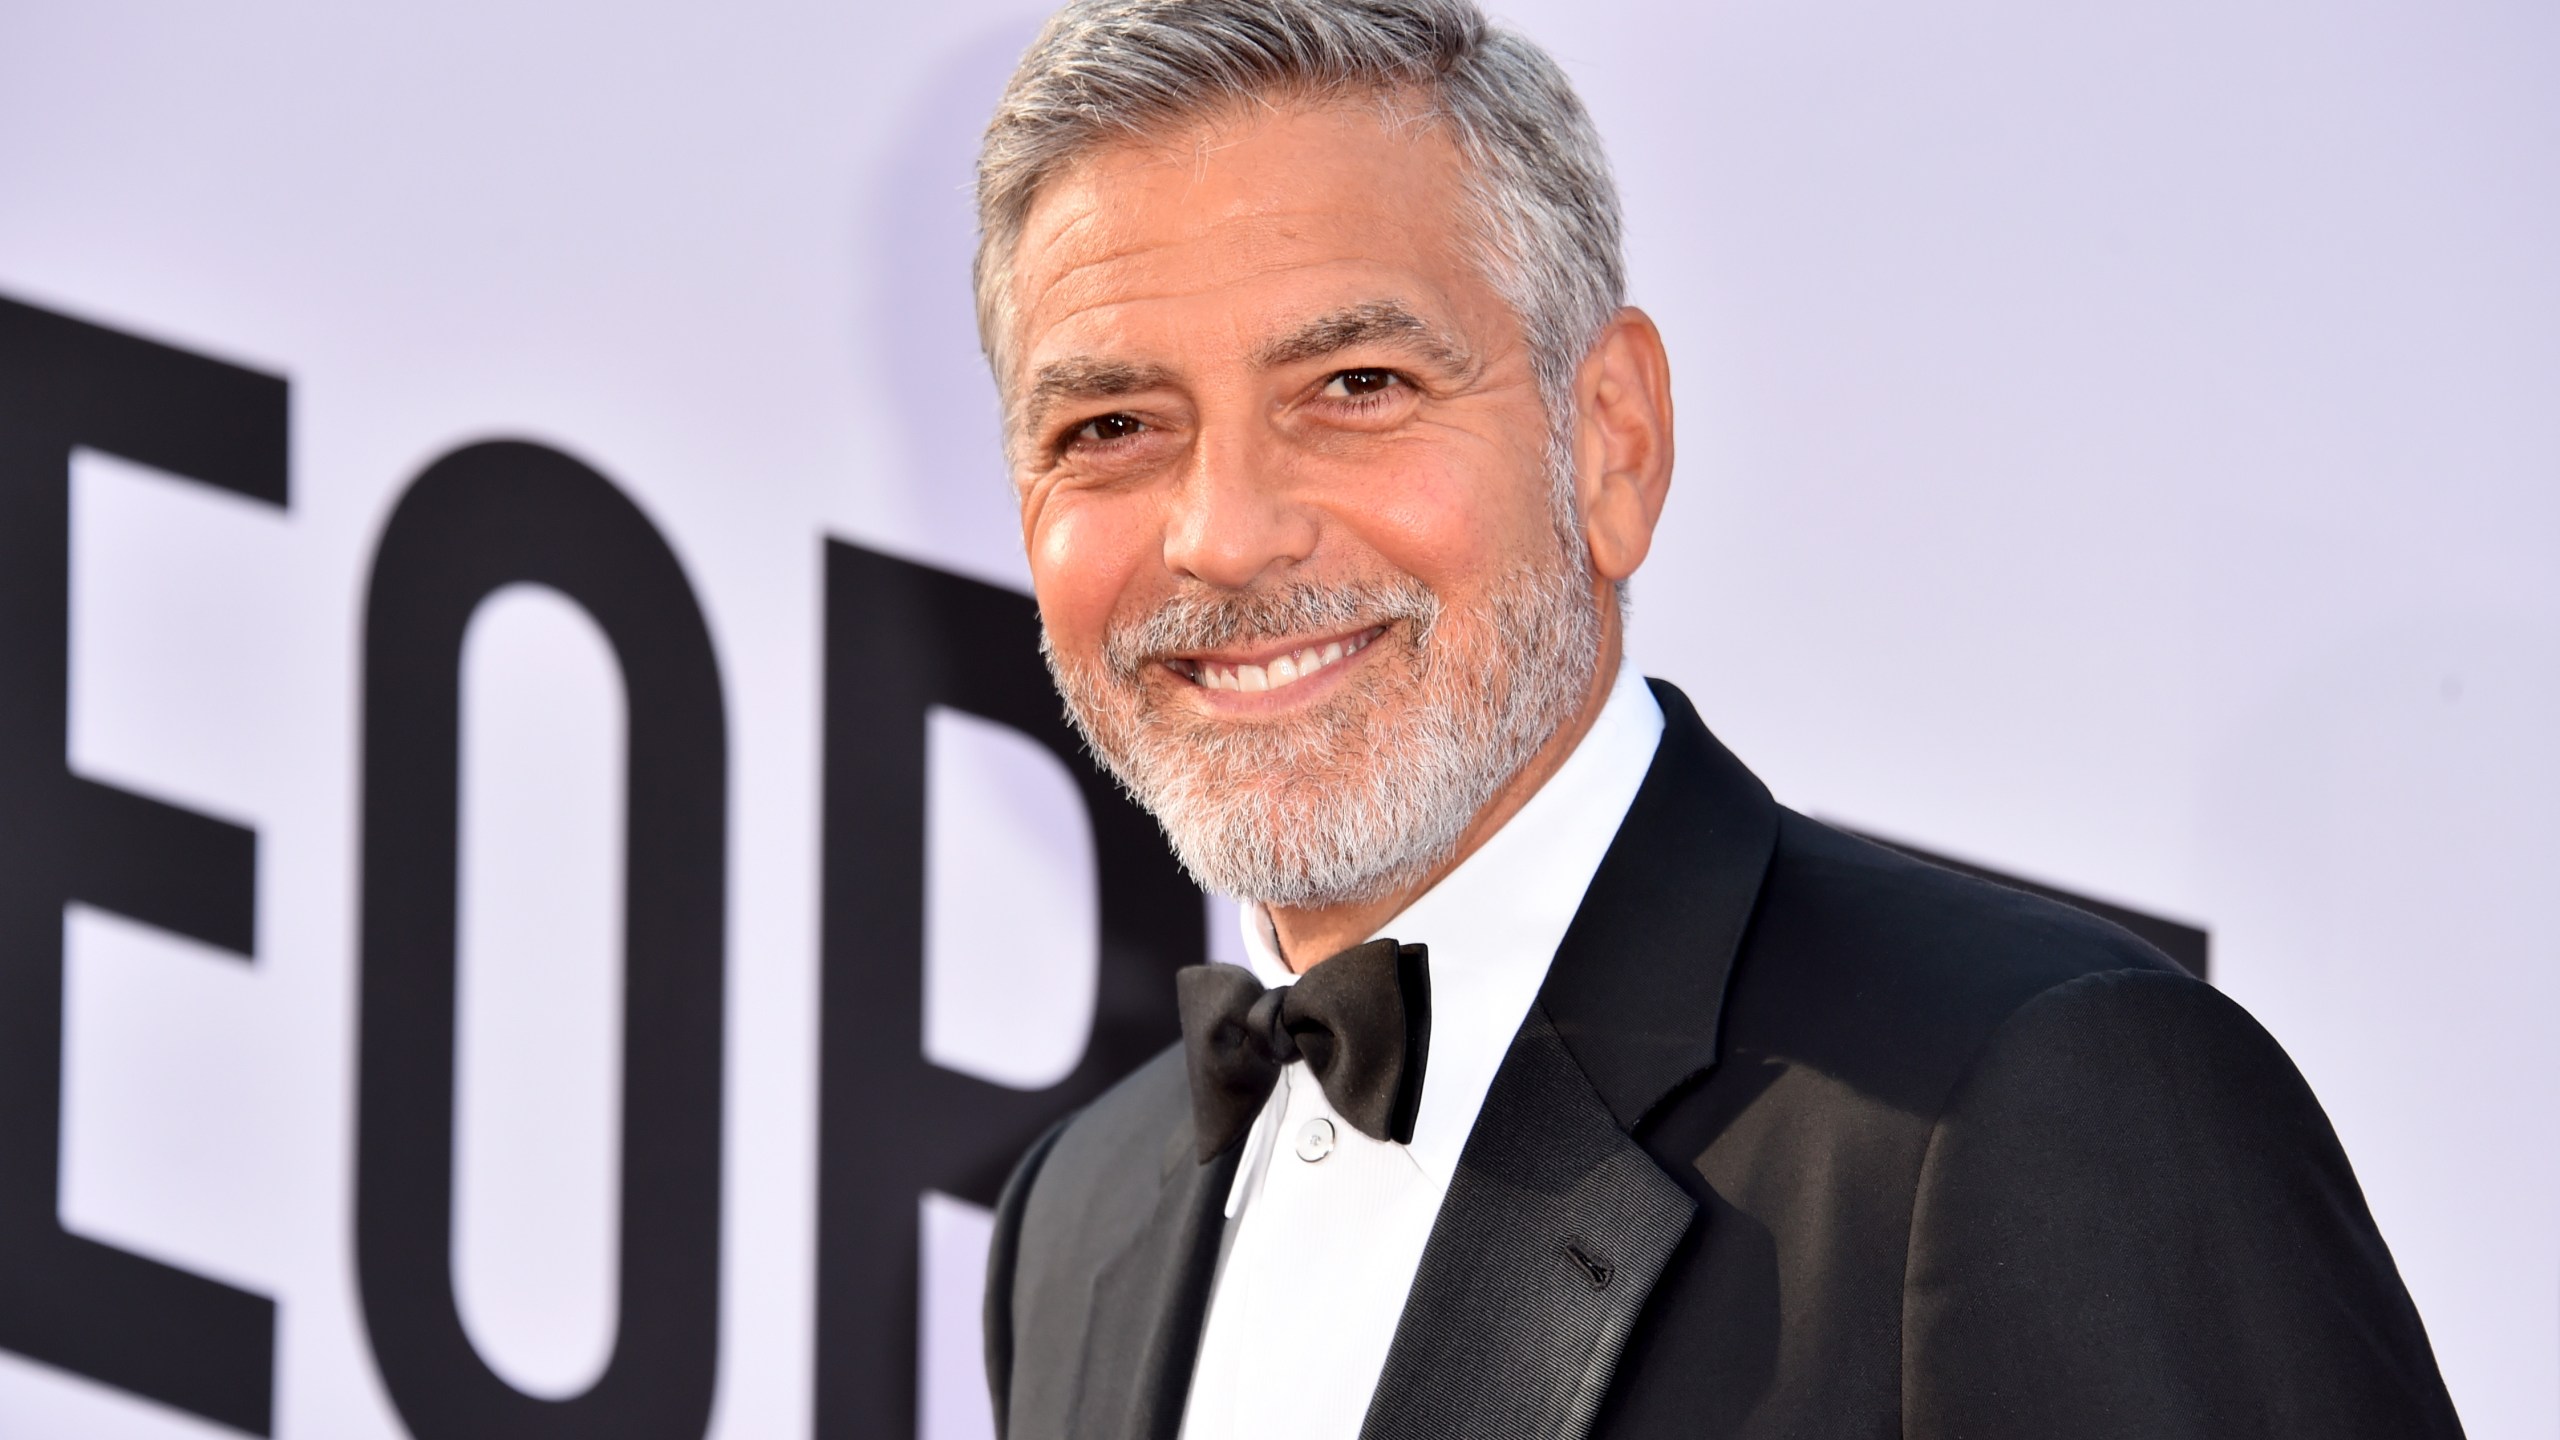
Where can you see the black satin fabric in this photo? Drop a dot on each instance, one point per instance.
(1361, 1020)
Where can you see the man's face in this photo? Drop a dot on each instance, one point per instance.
(1288, 498)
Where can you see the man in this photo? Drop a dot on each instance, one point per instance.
(1577, 1088)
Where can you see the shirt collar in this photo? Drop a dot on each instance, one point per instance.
(1493, 923)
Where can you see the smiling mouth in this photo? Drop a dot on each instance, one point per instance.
(1278, 672)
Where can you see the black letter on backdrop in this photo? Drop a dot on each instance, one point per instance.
(482, 518)
(113, 1316)
(899, 638)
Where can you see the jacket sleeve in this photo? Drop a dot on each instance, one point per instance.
(2135, 1221)
(1004, 1249)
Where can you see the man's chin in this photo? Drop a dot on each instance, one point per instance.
(1297, 867)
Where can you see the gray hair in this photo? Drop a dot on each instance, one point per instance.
(1546, 211)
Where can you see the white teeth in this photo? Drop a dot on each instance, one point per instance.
(1287, 670)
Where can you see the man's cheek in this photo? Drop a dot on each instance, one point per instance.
(1081, 567)
(1438, 523)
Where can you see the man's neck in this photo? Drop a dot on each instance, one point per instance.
(1311, 934)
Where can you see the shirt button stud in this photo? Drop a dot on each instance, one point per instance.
(1315, 1140)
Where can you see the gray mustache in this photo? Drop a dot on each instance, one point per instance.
(1206, 619)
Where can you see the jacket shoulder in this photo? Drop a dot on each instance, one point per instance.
(1859, 893)
(1893, 974)
(2134, 1220)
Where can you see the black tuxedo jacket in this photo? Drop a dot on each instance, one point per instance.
(1862, 1148)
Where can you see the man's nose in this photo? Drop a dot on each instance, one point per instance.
(1233, 520)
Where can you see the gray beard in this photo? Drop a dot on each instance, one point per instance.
(1372, 789)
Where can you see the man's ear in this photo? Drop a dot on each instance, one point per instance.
(1622, 442)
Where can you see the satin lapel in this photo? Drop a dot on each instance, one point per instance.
(1554, 1231)
(1637, 987)
(1558, 1223)
(1149, 1302)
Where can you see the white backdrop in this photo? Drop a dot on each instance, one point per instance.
(2121, 445)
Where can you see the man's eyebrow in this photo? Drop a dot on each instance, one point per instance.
(1080, 377)
(1372, 322)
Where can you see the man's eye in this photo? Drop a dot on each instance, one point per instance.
(1360, 384)
(1103, 429)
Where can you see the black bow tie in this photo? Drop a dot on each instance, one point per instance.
(1361, 1021)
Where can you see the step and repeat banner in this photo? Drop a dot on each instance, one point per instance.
(542, 883)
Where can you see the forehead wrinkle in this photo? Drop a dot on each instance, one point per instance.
(1239, 244)
(1075, 285)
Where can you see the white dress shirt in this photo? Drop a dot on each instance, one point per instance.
(1329, 1225)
